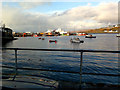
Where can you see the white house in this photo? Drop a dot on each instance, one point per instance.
(110, 31)
(105, 31)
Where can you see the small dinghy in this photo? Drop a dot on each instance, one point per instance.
(76, 40)
(43, 38)
(52, 41)
(39, 38)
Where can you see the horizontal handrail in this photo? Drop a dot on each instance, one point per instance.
(36, 69)
(68, 50)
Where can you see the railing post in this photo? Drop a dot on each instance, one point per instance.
(81, 59)
(15, 64)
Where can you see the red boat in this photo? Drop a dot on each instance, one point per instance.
(43, 38)
(53, 41)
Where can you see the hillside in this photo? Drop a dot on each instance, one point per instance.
(102, 30)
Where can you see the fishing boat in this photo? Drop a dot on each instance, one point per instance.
(118, 35)
(90, 36)
(6, 34)
(76, 40)
(52, 41)
(39, 38)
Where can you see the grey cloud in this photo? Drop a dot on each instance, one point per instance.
(83, 17)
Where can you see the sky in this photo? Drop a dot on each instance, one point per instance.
(70, 15)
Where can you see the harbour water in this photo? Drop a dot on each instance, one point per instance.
(106, 63)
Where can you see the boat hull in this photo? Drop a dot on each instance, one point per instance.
(77, 41)
(52, 41)
(90, 37)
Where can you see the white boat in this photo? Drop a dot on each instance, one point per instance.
(76, 40)
(118, 35)
(90, 36)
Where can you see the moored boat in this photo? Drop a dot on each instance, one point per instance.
(6, 34)
(118, 35)
(39, 38)
(52, 41)
(76, 40)
(90, 36)
(82, 34)
(43, 38)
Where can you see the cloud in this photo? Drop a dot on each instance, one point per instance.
(78, 18)
(22, 21)
(107, 13)
(85, 17)
(89, 4)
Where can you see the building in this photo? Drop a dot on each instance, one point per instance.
(62, 32)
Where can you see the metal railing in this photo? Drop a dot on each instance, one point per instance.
(65, 50)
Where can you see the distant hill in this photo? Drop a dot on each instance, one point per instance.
(101, 30)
